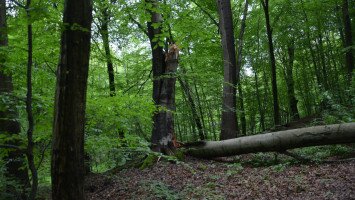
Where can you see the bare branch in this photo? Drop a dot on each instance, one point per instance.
(140, 26)
(207, 13)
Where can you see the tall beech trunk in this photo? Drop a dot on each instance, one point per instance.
(167, 103)
(161, 141)
(239, 66)
(70, 101)
(106, 43)
(15, 167)
(277, 117)
(349, 56)
(229, 125)
(276, 141)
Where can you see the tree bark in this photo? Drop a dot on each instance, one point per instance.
(30, 143)
(277, 141)
(106, 44)
(349, 56)
(67, 168)
(243, 120)
(9, 124)
(167, 104)
(277, 117)
(290, 83)
(239, 66)
(257, 91)
(158, 68)
(229, 116)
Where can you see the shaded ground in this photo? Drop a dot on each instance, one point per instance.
(203, 179)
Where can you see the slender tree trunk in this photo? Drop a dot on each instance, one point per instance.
(9, 124)
(211, 119)
(309, 44)
(243, 120)
(322, 59)
(277, 118)
(200, 110)
(70, 101)
(260, 108)
(30, 143)
(239, 66)
(349, 56)
(106, 43)
(229, 127)
(290, 83)
(186, 89)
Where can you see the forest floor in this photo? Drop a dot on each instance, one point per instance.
(254, 176)
(249, 176)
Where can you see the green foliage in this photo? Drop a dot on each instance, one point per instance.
(336, 112)
(160, 190)
(234, 168)
(207, 191)
(279, 167)
(9, 188)
(118, 129)
(325, 152)
(150, 160)
(111, 115)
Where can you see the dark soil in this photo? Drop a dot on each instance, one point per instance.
(205, 179)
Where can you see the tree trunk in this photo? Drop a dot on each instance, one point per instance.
(229, 116)
(290, 83)
(349, 56)
(167, 104)
(9, 124)
(320, 48)
(277, 118)
(309, 44)
(239, 66)
(277, 141)
(70, 100)
(106, 44)
(30, 143)
(200, 110)
(159, 67)
(243, 120)
(257, 91)
(186, 89)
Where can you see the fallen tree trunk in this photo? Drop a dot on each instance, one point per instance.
(276, 141)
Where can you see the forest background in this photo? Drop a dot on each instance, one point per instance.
(313, 73)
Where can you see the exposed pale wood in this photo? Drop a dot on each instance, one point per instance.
(277, 141)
